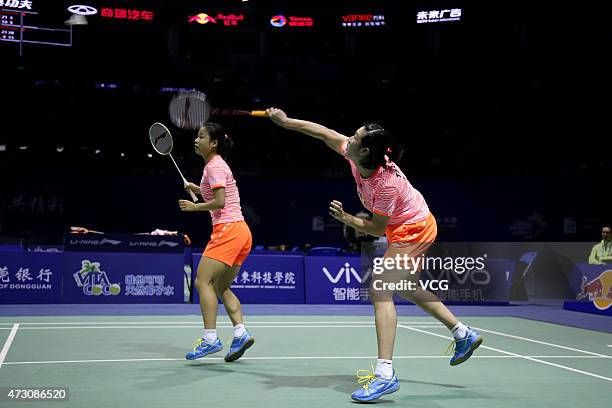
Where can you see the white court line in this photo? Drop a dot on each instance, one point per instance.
(7, 343)
(541, 342)
(516, 355)
(129, 360)
(200, 326)
(546, 356)
(249, 323)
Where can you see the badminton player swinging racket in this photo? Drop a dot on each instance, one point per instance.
(229, 245)
(399, 212)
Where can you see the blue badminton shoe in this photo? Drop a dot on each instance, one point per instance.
(239, 346)
(374, 386)
(463, 348)
(203, 348)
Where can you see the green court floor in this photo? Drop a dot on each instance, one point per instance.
(301, 361)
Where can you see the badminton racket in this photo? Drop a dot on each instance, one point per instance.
(191, 110)
(162, 142)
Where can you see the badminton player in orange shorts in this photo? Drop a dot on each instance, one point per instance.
(229, 245)
(399, 212)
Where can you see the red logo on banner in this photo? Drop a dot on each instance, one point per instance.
(231, 19)
(127, 14)
(202, 18)
(291, 21)
(359, 20)
(300, 21)
(225, 19)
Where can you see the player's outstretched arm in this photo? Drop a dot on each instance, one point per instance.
(332, 139)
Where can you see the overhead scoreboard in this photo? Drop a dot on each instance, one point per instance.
(21, 24)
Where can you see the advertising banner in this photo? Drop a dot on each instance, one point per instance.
(92, 242)
(592, 285)
(334, 280)
(30, 277)
(106, 277)
(266, 279)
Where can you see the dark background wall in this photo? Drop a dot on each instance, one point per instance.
(504, 116)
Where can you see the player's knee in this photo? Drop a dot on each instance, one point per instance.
(202, 282)
(377, 296)
(220, 290)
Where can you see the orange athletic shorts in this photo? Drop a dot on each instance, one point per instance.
(229, 243)
(411, 239)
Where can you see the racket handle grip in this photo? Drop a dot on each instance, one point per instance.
(259, 113)
(193, 196)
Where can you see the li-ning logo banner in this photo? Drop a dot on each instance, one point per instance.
(153, 244)
(103, 241)
(94, 281)
(347, 271)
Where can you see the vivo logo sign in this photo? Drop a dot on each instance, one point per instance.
(346, 271)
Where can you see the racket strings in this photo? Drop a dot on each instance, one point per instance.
(161, 139)
(189, 110)
(164, 144)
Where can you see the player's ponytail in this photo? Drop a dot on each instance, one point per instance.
(381, 146)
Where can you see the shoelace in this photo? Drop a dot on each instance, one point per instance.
(197, 344)
(450, 350)
(366, 379)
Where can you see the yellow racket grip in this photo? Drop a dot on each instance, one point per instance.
(259, 113)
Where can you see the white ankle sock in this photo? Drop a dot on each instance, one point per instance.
(239, 330)
(460, 330)
(384, 368)
(210, 335)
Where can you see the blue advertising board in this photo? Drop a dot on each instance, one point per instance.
(338, 280)
(490, 284)
(107, 277)
(30, 277)
(334, 280)
(592, 287)
(266, 279)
